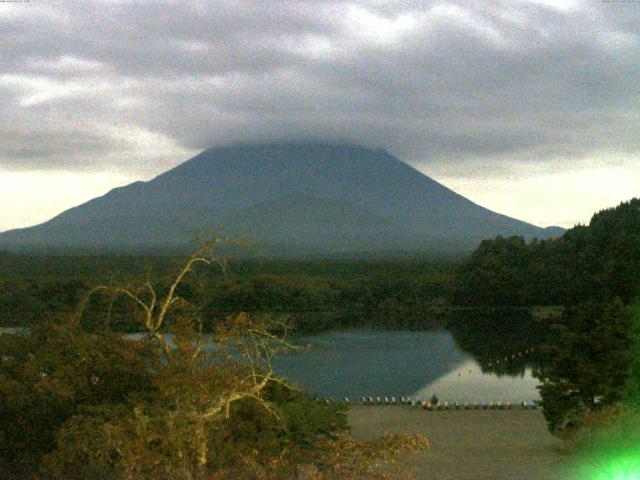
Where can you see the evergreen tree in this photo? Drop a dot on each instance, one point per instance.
(632, 394)
(589, 363)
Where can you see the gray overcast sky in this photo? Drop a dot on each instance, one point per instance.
(528, 107)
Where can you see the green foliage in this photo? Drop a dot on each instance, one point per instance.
(493, 274)
(595, 262)
(172, 405)
(609, 251)
(313, 295)
(508, 271)
(632, 394)
(209, 416)
(606, 444)
(54, 372)
(593, 271)
(589, 363)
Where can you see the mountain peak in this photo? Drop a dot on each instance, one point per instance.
(316, 196)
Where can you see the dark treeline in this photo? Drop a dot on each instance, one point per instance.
(595, 262)
(27, 265)
(313, 295)
(510, 271)
(593, 271)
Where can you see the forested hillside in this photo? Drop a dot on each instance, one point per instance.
(593, 271)
(589, 262)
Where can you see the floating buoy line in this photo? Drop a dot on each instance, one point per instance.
(442, 406)
(514, 356)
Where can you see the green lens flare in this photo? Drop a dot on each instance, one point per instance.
(617, 467)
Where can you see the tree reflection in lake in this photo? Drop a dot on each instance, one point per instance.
(503, 341)
(485, 351)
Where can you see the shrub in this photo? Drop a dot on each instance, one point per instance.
(55, 371)
(172, 405)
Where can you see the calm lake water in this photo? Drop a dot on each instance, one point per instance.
(419, 364)
(368, 362)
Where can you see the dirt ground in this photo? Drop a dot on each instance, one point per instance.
(469, 444)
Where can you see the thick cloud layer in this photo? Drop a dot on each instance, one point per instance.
(467, 87)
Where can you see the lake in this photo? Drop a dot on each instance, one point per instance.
(418, 364)
(367, 362)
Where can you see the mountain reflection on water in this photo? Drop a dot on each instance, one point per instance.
(371, 362)
(484, 357)
(468, 383)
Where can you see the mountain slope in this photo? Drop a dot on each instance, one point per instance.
(324, 197)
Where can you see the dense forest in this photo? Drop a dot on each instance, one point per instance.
(593, 273)
(595, 262)
(313, 295)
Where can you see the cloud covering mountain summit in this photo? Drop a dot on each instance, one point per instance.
(293, 197)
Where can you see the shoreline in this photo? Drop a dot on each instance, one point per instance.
(468, 444)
